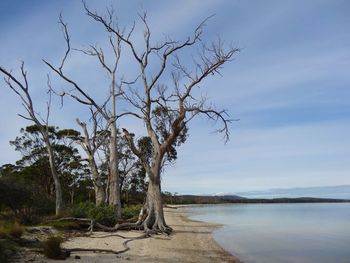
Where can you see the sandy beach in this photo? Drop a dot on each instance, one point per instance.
(191, 241)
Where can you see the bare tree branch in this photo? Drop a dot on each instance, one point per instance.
(21, 89)
(130, 140)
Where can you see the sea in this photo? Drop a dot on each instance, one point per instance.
(281, 233)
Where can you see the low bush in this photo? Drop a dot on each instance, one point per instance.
(52, 247)
(82, 209)
(10, 229)
(24, 202)
(7, 250)
(103, 214)
(64, 225)
(131, 211)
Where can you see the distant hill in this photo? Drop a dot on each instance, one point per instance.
(337, 192)
(232, 197)
(201, 199)
(219, 199)
(291, 200)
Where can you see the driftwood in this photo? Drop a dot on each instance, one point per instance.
(170, 206)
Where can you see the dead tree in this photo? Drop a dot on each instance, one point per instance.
(107, 109)
(21, 88)
(177, 101)
(90, 143)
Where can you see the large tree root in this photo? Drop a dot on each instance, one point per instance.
(66, 251)
(125, 244)
(158, 228)
(96, 225)
(148, 220)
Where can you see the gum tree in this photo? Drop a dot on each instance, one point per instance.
(106, 109)
(90, 143)
(166, 107)
(21, 88)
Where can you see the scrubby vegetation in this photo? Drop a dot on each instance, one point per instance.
(131, 211)
(64, 225)
(103, 214)
(22, 201)
(82, 209)
(10, 230)
(52, 248)
(7, 250)
(9, 233)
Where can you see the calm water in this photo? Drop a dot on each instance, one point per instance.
(268, 233)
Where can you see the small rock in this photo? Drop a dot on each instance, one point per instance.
(77, 257)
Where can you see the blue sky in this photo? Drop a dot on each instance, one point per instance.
(289, 86)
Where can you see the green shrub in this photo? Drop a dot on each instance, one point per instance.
(131, 211)
(66, 212)
(82, 209)
(10, 229)
(52, 247)
(7, 250)
(24, 202)
(64, 225)
(104, 214)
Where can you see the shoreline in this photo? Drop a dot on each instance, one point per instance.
(212, 226)
(191, 241)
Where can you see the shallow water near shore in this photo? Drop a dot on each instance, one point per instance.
(266, 233)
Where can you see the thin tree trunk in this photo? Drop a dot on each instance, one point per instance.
(96, 179)
(72, 197)
(114, 190)
(58, 189)
(100, 196)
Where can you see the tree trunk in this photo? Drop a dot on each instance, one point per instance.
(90, 149)
(114, 190)
(72, 197)
(58, 189)
(154, 219)
(99, 191)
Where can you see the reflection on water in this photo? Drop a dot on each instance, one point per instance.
(267, 233)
